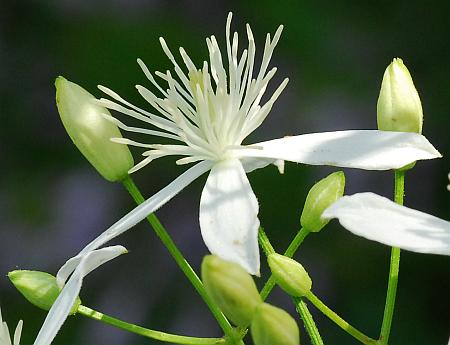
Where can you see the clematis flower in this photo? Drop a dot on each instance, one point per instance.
(380, 219)
(208, 113)
(62, 307)
(4, 332)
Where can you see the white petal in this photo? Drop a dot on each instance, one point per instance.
(362, 149)
(63, 304)
(229, 215)
(136, 215)
(380, 219)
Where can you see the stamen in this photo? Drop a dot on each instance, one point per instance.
(187, 160)
(140, 165)
(150, 76)
(158, 122)
(127, 141)
(121, 125)
(178, 87)
(187, 60)
(154, 101)
(178, 70)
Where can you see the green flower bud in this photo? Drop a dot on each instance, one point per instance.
(39, 288)
(273, 326)
(289, 275)
(399, 108)
(231, 288)
(322, 194)
(91, 132)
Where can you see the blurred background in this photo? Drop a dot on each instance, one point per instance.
(52, 202)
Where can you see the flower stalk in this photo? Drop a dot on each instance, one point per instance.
(399, 190)
(145, 332)
(338, 320)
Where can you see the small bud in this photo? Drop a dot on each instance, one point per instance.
(39, 288)
(289, 275)
(274, 326)
(231, 288)
(91, 132)
(322, 194)
(399, 108)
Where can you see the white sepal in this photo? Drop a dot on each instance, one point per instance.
(380, 219)
(362, 149)
(229, 215)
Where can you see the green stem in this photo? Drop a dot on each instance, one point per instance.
(265, 243)
(298, 239)
(145, 332)
(339, 321)
(308, 321)
(181, 261)
(306, 316)
(290, 251)
(394, 267)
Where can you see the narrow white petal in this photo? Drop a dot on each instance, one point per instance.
(380, 219)
(63, 304)
(362, 149)
(18, 333)
(229, 215)
(138, 214)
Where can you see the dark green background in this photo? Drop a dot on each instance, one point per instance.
(52, 202)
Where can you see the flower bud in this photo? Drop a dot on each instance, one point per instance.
(398, 107)
(274, 326)
(91, 132)
(322, 194)
(289, 275)
(231, 288)
(39, 288)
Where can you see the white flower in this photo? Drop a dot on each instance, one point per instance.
(208, 113)
(4, 332)
(81, 265)
(380, 219)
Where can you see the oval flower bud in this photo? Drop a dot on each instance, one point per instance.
(39, 288)
(91, 132)
(231, 288)
(289, 275)
(274, 326)
(399, 107)
(322, 194)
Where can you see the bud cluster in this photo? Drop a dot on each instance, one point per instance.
(235, 292)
